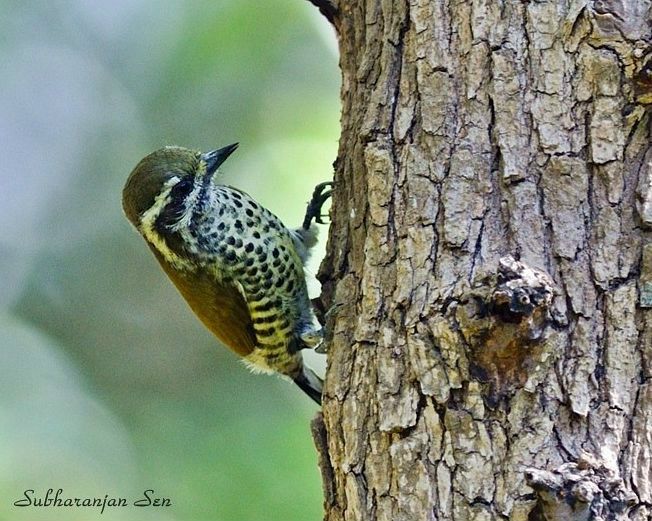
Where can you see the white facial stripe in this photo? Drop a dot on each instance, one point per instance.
(148, 220)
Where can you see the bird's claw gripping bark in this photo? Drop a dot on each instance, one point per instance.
(319, 196)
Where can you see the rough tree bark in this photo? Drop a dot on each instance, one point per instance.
(462, 384)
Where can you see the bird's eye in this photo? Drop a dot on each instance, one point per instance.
(173, 211)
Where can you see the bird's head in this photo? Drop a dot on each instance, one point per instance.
(168, 175)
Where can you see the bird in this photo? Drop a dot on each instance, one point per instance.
(235, 263)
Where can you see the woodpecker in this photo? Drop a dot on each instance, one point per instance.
(237, 266)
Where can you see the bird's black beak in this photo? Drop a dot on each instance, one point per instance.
(215, 158)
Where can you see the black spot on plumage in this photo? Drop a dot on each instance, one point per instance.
(279, 283)
(221, 226)
(249, 212)
(262, 258)
(230, 240)
(268, 283)
(265, 307)
(236, 195)
(237, 203)
(266, 331)
(275, 253)
(253, 271)
(249, 247)
(264, 268)
(266, 228)
(256, 235)
(249, 261)
(258, 250)
(290, 285)
(272, 357)
(258, 296)
(249, 224)
(231, 256)
(238, 243)
(269, 319)
(276, 263)
(238, 224)
(253, 205)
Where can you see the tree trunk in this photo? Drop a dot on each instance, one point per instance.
(462, 384)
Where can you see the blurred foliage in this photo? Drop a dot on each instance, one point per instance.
(108, 384)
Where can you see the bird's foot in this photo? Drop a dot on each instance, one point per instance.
(319, 196)
(312, 338)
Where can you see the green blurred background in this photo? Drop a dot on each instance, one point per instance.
(108, 384)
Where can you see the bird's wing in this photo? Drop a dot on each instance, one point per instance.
(219, 305)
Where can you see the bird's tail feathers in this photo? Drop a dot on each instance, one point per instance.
(310, 384)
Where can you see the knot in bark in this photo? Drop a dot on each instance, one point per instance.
(504, 321)
(585, 490)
